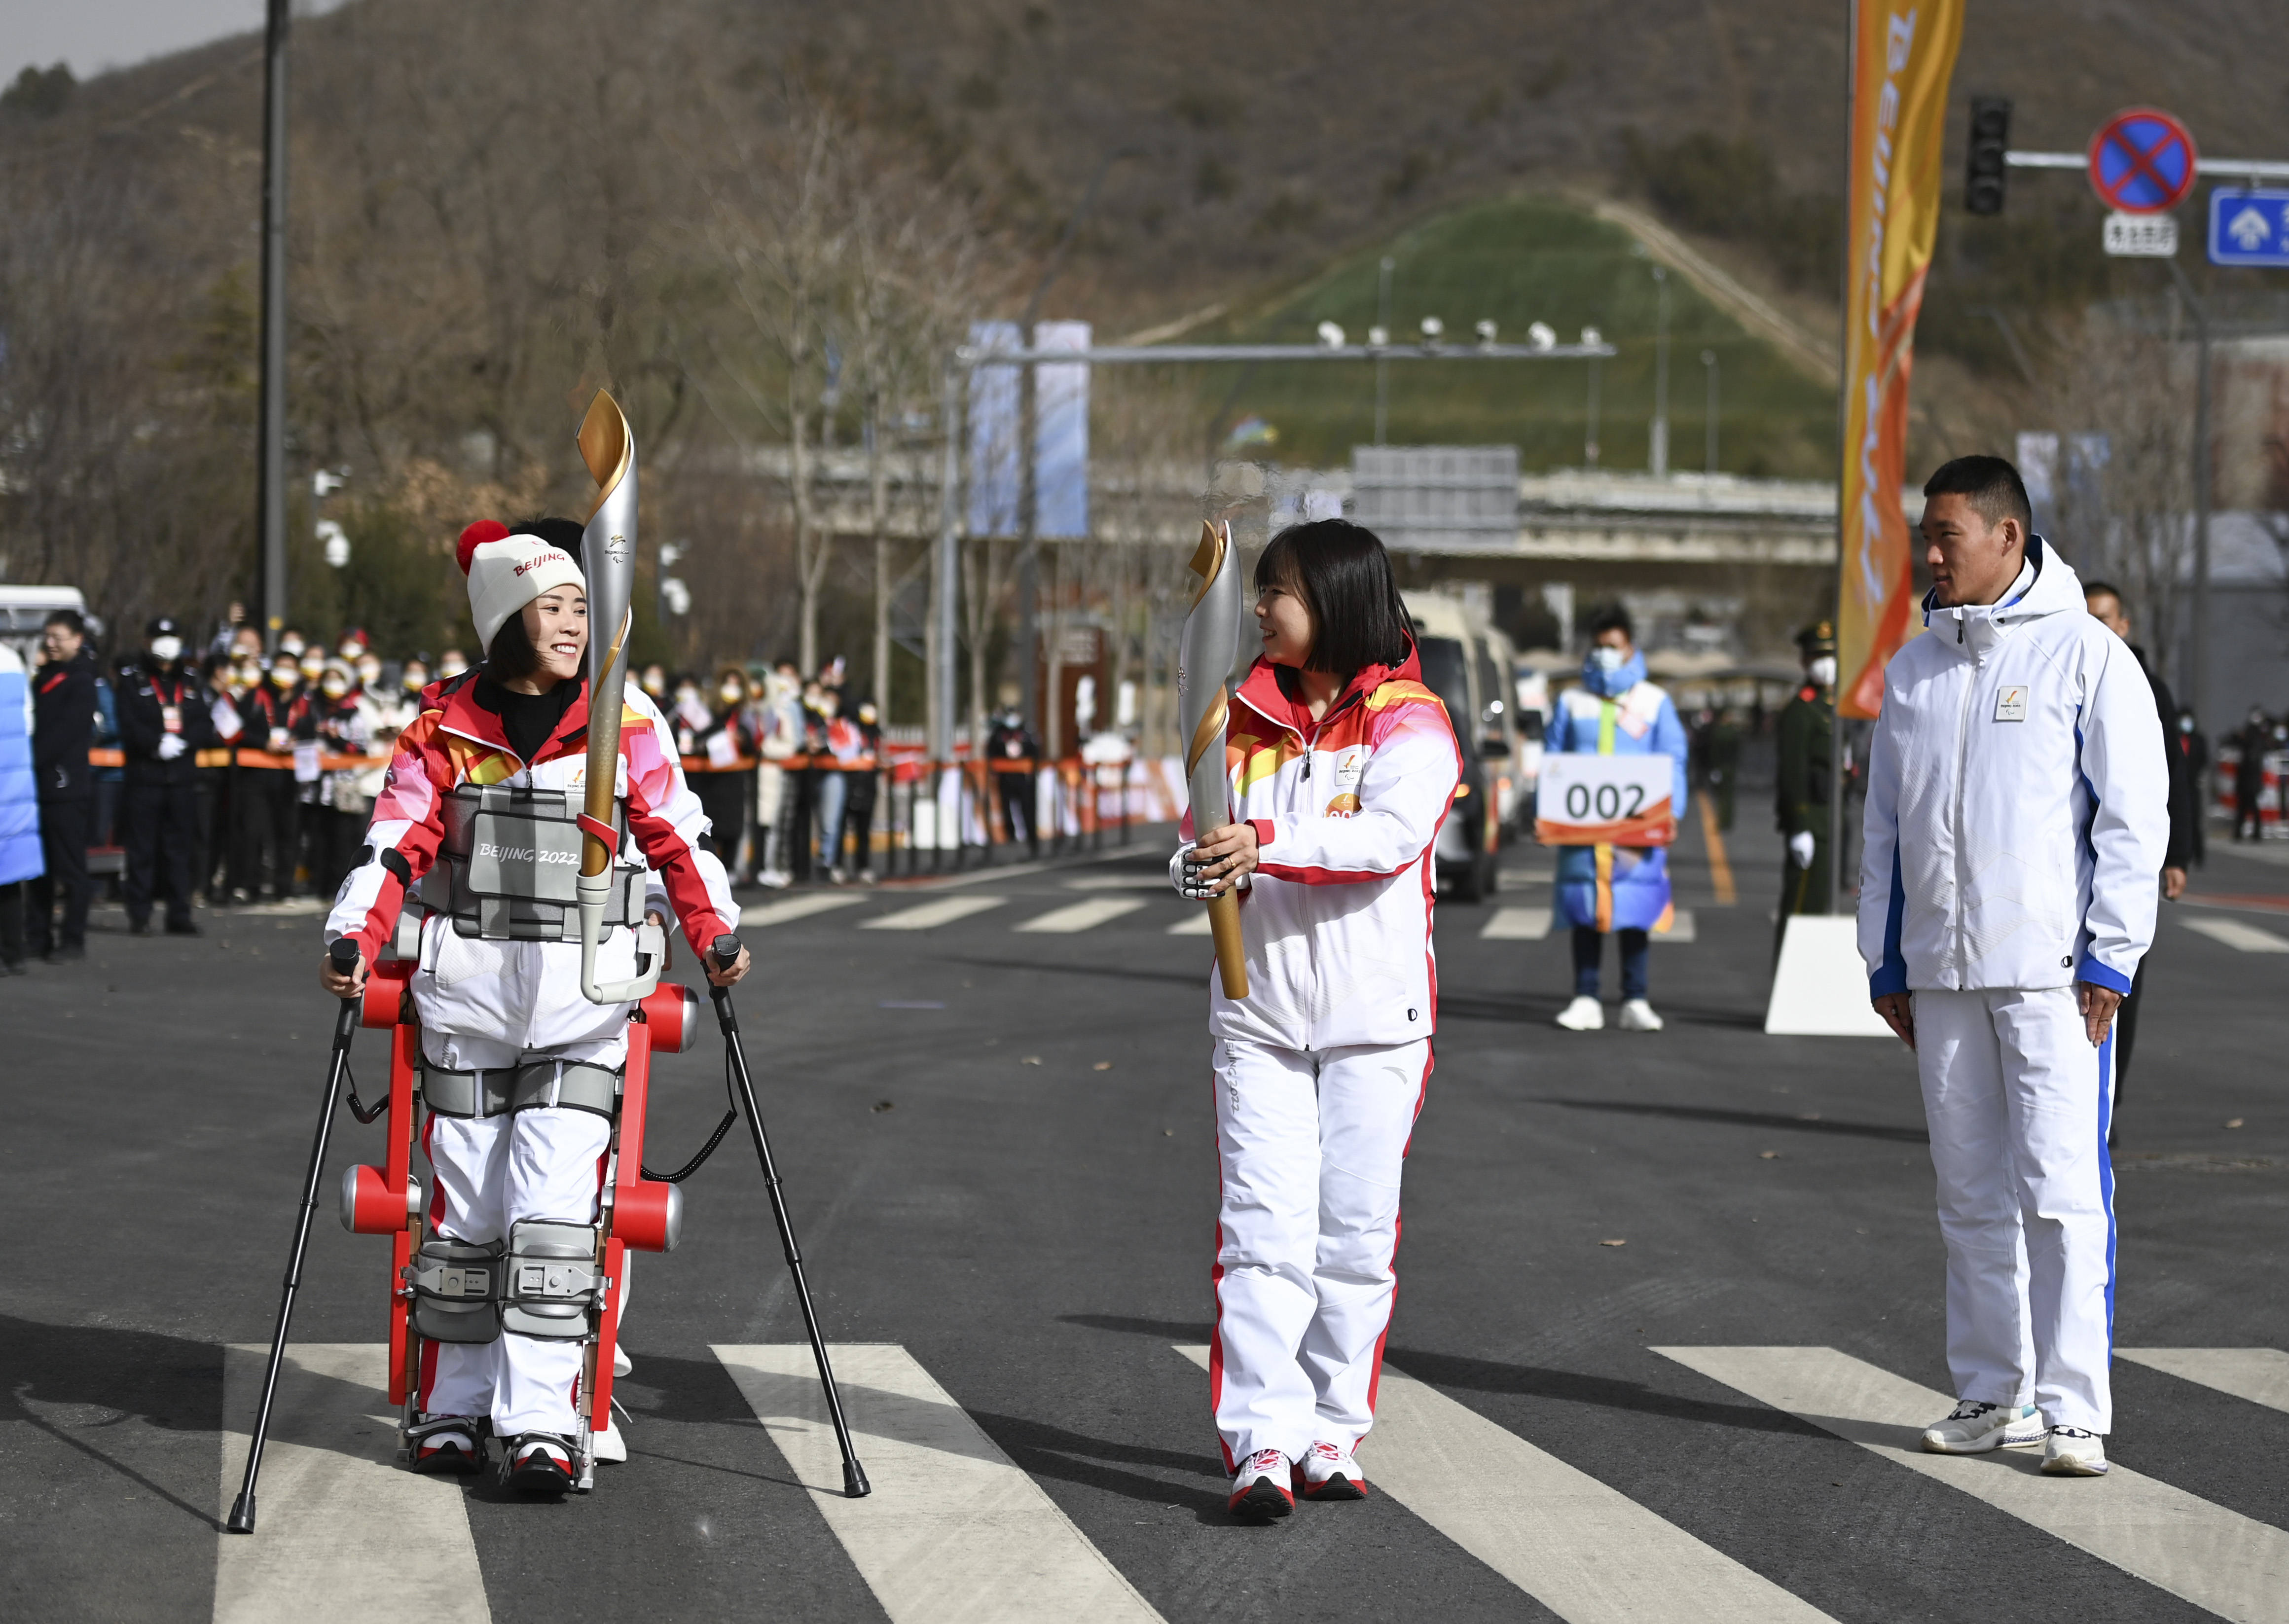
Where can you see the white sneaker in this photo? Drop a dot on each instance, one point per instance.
(1261, 1489)
(2069, 1451)
(621, 1363)
(1638, 1016)
(772, 879)
(1584, 1014)
(1973, 1428)
(1331, 1473)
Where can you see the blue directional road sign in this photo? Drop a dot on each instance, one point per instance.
(2249, 228)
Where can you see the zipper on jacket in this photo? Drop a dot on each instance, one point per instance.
(1960, 955)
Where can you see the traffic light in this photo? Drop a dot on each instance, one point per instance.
(1983, 165)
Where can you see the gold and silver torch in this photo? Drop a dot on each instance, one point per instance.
(1204, 659)
(608, 548)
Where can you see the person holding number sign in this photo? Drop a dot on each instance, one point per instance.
(1615, 887)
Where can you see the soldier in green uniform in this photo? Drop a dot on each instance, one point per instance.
(1806, 780)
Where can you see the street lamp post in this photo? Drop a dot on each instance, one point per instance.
(270, 448)
(1709, 452)
(1660, 450)
(1592, 338)
(1382, 326)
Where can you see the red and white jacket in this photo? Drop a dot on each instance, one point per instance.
(526, 993)
(1336, 917)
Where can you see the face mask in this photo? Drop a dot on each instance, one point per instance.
(313, 666)
(452, 668)
(335, 688)
(165, 650)
(415, 679)
(370, 670)
(732, 693)
(1606, 657)
(686, 695)
(291, 645)
(1822, 671)
(653, 684)
(285, 676)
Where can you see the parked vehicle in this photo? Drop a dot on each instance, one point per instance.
(1465, 660)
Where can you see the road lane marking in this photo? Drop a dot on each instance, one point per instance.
(1118, 882)
(1081, 916)
(1720, 865)
(2212, 1557)
(953, 1533)
(2242, 938)
(341, 1530)
(1193, 924)
(1589, 1553)
(2259, 1375)
(1681, 927)
(789, 909)
(1517, 925)
(929, 916)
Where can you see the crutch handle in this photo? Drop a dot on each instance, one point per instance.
(725, 953)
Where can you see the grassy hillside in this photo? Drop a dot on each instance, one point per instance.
(1516, 262)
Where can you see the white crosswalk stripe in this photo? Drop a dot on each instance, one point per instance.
(789, 909)
(2259, 1375)
(1587, 1552)
(953, 1531)
(930, 915)
(2239, 936)
(341, 1531)
(2212, 1557)
(1680, 927)
(1517, 925)
(1081, 916)
(1195, 923)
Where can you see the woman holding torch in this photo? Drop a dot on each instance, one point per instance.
(1340, 765)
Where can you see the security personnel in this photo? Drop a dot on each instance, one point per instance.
(1805, 781)
(163, 723)
(63, 727)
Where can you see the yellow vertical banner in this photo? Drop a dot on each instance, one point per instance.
(1904, 56)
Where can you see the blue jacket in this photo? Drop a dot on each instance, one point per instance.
(1607, 887)
(19, 795)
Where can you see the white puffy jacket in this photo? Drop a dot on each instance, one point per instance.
(2018, 798)
(1336, 917)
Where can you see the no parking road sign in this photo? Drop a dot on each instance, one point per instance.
(2142, 162)
(2249, 227)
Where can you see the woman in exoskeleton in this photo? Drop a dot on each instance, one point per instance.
(519, 1070)
(1342, 765)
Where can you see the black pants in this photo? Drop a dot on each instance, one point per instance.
(267, 814)
(859, 818)
(1017, 807)
(65, 826)
(11, 923)
(2126, 1036)
(344, 835)
(724, 797)
(162, 830)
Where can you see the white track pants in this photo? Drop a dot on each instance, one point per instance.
(493, 1172)
(2017, 1101)
(1309, 1145)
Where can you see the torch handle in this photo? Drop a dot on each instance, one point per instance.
(1231, 955)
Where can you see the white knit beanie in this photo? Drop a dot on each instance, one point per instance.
(508, 571)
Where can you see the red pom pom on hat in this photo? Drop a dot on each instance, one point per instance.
(482, 532)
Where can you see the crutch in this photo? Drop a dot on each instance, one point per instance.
(854, 1475)
(344, 954)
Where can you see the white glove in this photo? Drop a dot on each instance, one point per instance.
(1801, 848)
(171, 746)
(1179, 874)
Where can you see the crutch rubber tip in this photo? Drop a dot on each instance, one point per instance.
(855, 1486)
(242, 1515)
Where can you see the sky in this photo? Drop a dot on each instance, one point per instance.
(94, 35)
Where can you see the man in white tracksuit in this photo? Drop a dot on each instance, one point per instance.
(2017, 816)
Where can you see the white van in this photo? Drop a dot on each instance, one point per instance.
(24, 611)
(1466, 662)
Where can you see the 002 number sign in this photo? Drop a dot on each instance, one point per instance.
(1605, 800)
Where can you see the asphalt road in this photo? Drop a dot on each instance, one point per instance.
(999, 1148)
